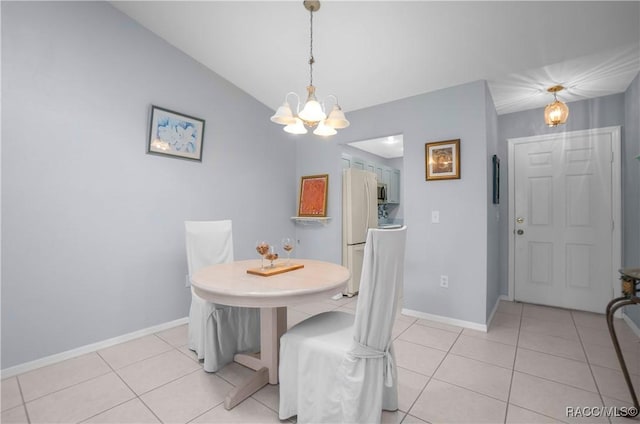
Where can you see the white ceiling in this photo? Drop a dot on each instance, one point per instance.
(372, 52)
(387, 147)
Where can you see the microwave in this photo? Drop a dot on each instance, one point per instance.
(382, 193)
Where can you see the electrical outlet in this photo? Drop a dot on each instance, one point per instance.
(444, 281)
(187, 281)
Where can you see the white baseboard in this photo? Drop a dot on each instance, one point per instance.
(495, 308)
(59, 357)
(631, 324)
(445, 320)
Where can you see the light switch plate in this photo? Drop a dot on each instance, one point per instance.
(435, 217)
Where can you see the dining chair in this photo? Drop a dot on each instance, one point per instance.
(217, 332)
(337, 368)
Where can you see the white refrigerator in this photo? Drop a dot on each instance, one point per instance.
(359, 213)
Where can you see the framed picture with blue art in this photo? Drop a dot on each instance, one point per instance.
(175, 134)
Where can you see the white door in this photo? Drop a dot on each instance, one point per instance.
(563, 229)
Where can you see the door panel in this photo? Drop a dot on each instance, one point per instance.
(563, 232)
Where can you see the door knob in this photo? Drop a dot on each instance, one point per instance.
(520, 232)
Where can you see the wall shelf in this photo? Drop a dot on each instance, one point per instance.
(311, 220)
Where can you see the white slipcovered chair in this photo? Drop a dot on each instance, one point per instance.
(217, 332)
(337, 369)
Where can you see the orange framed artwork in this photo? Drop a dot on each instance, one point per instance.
(313, 195)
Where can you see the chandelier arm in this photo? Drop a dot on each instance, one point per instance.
(335, 99)
(286, 99)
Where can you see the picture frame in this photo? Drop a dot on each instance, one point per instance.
(313, 195)
(175, 134)
(442, 160)
(496, 179)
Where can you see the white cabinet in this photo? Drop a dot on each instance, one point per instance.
(349, 161)
(370, 166)
(393, 187)
(391, 177)
(384, 174)
(357, 163)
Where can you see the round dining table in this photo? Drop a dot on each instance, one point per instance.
(231, 284)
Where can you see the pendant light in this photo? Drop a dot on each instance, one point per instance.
(313, 113)
(555, 113)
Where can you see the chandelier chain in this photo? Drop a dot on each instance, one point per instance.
(311, 59)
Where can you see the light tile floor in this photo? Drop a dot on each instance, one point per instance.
(531, 365)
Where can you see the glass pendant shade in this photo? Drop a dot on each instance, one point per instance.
(296, 128)
(556, 113)
(283, 115)
(324, 130)
(336, 118)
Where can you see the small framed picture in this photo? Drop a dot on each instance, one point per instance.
(313, 195)
(175, 134)
(442, 160)
(496, 179)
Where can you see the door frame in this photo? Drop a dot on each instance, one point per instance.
(616, 198)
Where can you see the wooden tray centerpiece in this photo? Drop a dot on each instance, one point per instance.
(273, 270)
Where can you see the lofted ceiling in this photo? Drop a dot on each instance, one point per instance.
(372, 52)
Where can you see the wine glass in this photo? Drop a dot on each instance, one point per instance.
(271, 255)
(287, 245)
(262, 247)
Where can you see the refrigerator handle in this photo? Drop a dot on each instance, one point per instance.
(366, 186)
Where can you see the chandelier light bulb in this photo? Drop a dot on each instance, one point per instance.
(336, 118)
(283, 115)
(312, 111)
(296, 128)
(324, 130)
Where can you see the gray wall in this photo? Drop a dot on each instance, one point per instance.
(92, 227)
(455, 247)
(631, 185)
(493, 214)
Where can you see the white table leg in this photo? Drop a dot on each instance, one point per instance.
(273, 324)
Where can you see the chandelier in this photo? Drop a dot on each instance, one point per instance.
(313, 113)
(555, 113)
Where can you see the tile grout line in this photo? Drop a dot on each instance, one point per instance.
(489, 340)
(136, 396)
(431, 377)
(67, 387)
(470, 390)
(595, 381)
(24, 404)
(513, 367)
(483, 361)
